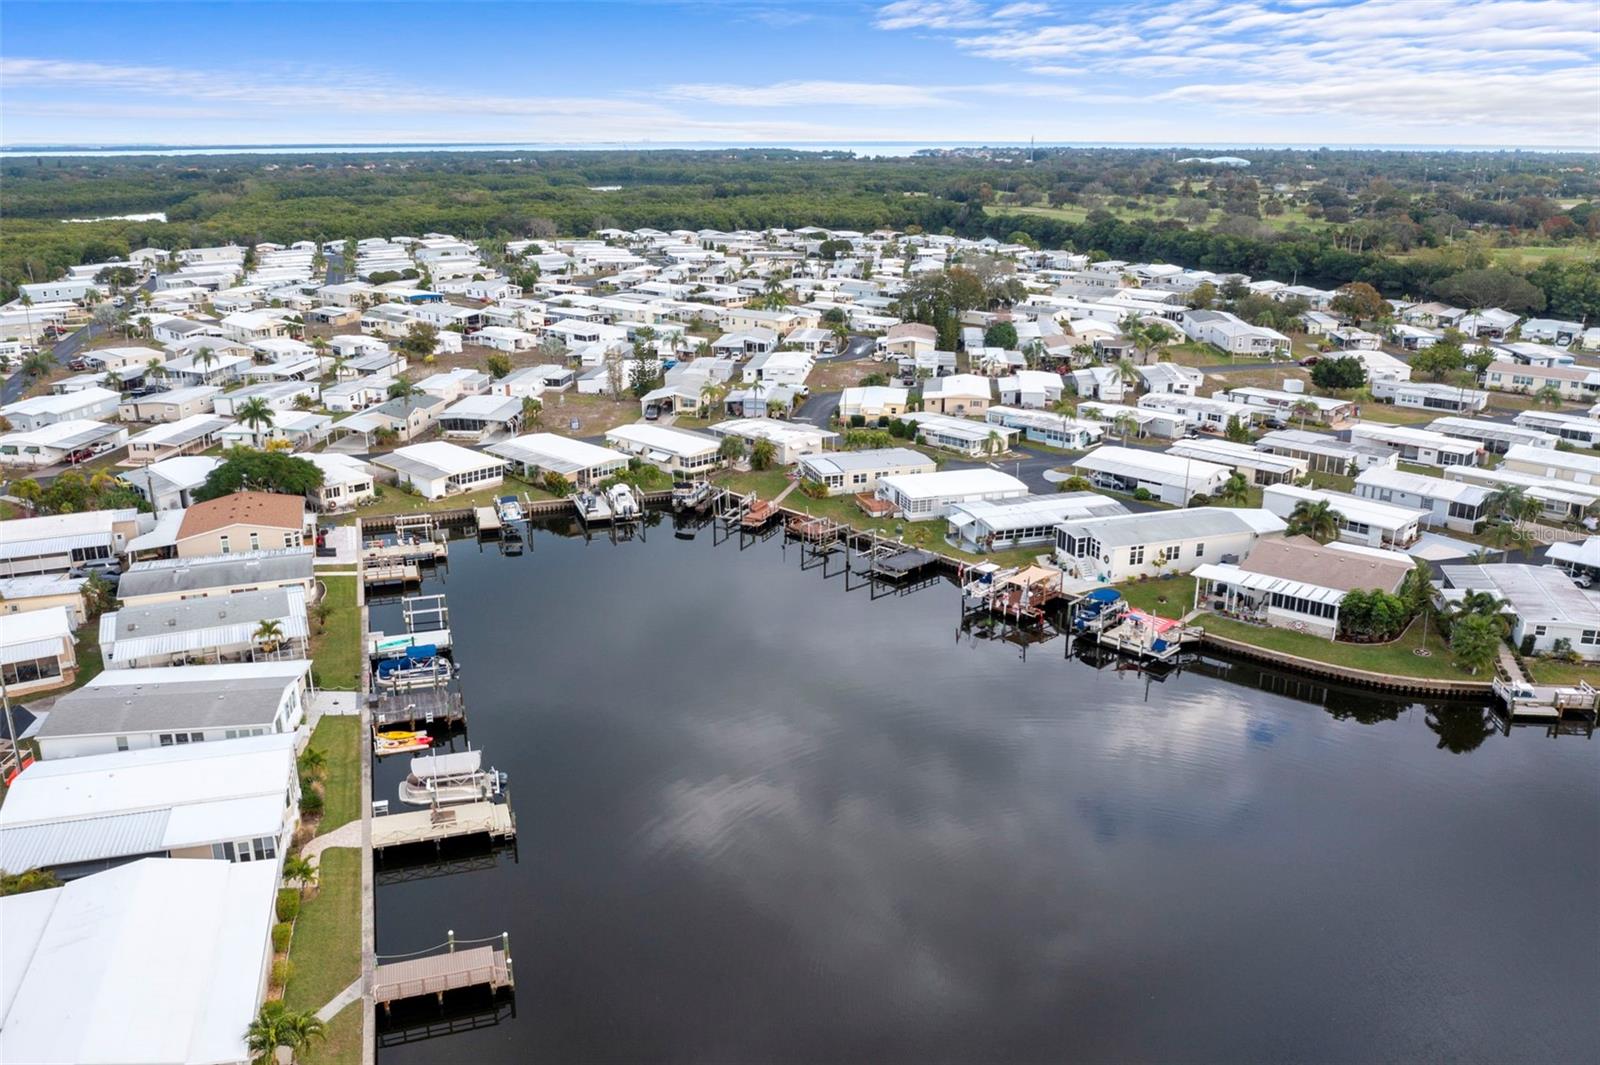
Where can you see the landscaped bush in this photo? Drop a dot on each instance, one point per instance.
(280, 936)
(310, 802)
(281, 971)
(288, 904)
(1527, 645)
(1141, 493)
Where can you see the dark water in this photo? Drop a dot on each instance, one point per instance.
(766, 820)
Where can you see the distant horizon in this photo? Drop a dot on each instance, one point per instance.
(1470, 74)
(900, 148)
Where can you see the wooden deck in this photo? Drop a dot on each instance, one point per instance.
(390, 554)
(435, 974)
(392, 573)
(491, 819)
(419, 707)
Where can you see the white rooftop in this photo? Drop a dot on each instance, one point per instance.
(952, 483)
(159, 961)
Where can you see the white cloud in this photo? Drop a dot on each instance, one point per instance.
(1023, 10)
(1527, 69)
(931, 15)
(806, 93)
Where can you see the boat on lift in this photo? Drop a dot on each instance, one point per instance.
(419, 666)
(450, 779)
(509, 508)
(688, 495)
(624, 504)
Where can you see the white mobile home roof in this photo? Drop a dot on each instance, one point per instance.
(1243, 456)
(61, 532)
(880, 458)
(549, 451)
(158, 961)
(1381, 432)
(1418, 484)
(1161, 525)
(1536, 593)
(1281, 499)
(953, 483)
(1550, 458)
(664, 439)
(1140, 464)
(435, 459)
(1474, 429)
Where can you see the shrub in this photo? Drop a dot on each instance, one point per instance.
(280, 936)
(288, 904)
(310, 802)
(1526, 648)
(858, 421)
(281, 971)
(1199, 499)
(1141, 493)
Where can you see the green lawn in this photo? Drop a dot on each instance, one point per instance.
(1390, 414)
(338, 737)
(395, 501)
(326, 949)
(926, 534)
(1394, 659)
(90, 661)
(342, 1045)
(1549, 671)
(1169, 597)
(336, 650)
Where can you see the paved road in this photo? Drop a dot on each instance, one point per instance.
(817, 408)
(335, 267)
(62, 352)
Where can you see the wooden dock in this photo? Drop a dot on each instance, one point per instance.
(402, 573)
(491, 820)
(759, 514)
(488, 521)
(418, 708)
(396, 554)
(434, 974)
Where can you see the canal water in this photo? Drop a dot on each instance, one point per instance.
(766, 819)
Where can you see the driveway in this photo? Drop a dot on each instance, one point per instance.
(61, 352)
(817, 408)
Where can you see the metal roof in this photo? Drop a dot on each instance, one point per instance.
(84, 839)
(1262, 582)
(120, 710)
(221, 571)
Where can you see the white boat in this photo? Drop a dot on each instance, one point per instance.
(592, 507)
(509, 509)
(450, 779)
(624, 504)
(686, 494)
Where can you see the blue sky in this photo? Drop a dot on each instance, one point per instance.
(1501, 73)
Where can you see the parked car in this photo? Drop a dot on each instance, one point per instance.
(652, 412)
(79, 364)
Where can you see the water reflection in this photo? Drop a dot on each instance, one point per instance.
(765, 818)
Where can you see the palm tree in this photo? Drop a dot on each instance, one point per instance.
(1235, 490)
(299, 870)
(27, 313)
(992, 444)
(276, 1025)
(313, 763)
(1317, 520)
(205, 358)
(38, 364)
(269, 634)
(1303, 409)
(1126, 371)
(1549, 396)
(406, 389)
(532, 412)
(1125, 425)
(255, 413)
(763, 454)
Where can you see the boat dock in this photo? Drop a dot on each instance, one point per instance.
(451, 968)
(430, 551)
(419, 708)
(488, 521)
(757, 515)
(493, 821)
(1562, 710)
(401, 573)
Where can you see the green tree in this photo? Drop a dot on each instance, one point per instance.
(1234, 491)
(1548, 396)
(299, 870)
(1490, 287)
(28, 880)
(1339, 374)
(275, 1026)
(1236, 431)
(732, 448)
(763, 454)
(1000, 335)
(1475, 641)
(1360, 301)
(420, 341)
(248, 470)
(255, 414)
(1317, 520)
(498, 364)
(1438, 361)
(532, 412)
(405, 389)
